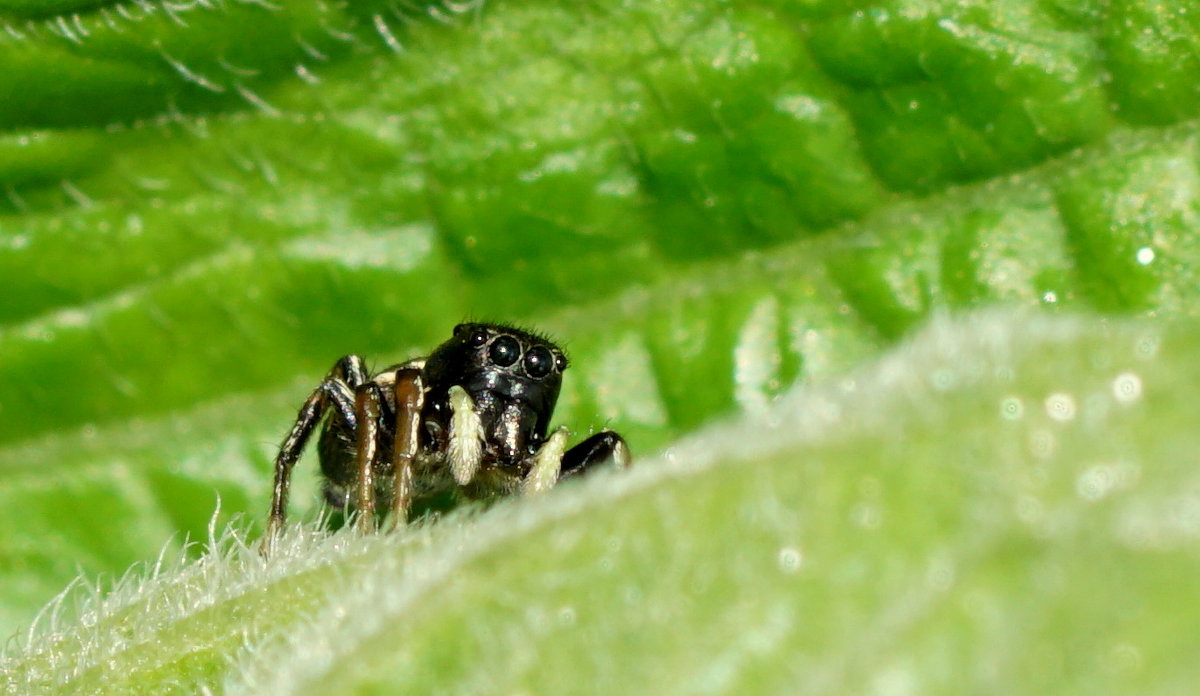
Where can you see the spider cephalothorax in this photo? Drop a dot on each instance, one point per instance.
(473, 415)
(512, 377)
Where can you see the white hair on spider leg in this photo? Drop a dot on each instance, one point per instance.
(466, 436)
(547, 462)
(620, 455)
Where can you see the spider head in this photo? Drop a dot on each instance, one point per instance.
(513, 377)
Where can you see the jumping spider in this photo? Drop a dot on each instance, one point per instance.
(473, 415)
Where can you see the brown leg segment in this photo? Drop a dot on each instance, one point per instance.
(366, 410)
(410, 400)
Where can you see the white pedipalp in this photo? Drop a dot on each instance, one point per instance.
(547, 462)
(465, 449)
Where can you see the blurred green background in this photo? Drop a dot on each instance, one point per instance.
(203, 205)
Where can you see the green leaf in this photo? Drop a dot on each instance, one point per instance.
(205, 205)
(1006, 503)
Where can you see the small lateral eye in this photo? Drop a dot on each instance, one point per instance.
(504, 351)
(538, 362)
(478, 338)
(560, 361)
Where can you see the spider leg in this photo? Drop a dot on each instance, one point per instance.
(466, 436)
(409, 392)
(366, 410)
(602, 447)
(335, 389)
(547, 462)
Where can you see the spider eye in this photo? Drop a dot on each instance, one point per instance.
(560, 361)
(538, 362)
(504, 351)
(478, 338)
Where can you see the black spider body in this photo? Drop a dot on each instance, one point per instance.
(474, 415)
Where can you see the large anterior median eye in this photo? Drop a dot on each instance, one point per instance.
(504, 351)
(538, 362)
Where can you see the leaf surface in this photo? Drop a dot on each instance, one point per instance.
(205, 205)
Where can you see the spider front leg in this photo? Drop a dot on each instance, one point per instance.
(337, 389)
(409, 392)
(554, 462)
(366, 411)
(602, 447)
